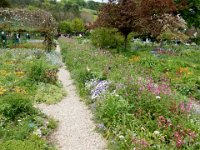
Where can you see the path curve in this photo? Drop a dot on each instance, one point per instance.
(76, 130)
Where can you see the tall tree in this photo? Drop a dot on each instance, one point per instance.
(122, 14)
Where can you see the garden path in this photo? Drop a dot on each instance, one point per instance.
(76, 130)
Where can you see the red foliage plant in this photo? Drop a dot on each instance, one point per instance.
(160, 15)
(145, 17)
(122, 15)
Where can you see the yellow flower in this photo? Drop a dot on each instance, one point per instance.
(135, 58)
(10, 62)
(19, 90)
(19, 73)
(2, 90)
(184, 70)
(4, 73)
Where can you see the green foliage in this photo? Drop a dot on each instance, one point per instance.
(15, 105)
(36, 144)
(52, 124)
(77, 25)
(40, 71)
(107, 38)
(93, 5)
(191, 13)
(49, 93)
(65, 27)
(4, 3)
(170, 36)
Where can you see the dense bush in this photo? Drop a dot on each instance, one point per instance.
(15, 105)
(107, 38)
(40, 71)
(65, 27)
(48, 93)
(37, 144)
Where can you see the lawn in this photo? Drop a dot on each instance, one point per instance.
(142, 99)
(27, 77)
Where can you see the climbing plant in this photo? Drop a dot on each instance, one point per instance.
(24, 20)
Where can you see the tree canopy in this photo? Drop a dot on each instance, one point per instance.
(4, 3)
(191, 13)
(122, 15)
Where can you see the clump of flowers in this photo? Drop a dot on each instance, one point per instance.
(2, 90)
(97, 87)
(179, 139)
(140, 143)
(183, 70)
(179, 133)
(19, 73)
(135, 58)
(4, 73)
(18, 90)
(164, 123)
(154, 88)
(185, 107)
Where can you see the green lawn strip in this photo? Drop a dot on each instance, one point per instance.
(129, 116)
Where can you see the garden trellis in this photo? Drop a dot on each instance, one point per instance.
(24, 20)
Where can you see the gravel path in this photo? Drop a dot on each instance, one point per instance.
(76, 128)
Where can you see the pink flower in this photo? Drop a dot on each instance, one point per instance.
(185, 107)
(178, 139)
(182, 106)
(189, 106)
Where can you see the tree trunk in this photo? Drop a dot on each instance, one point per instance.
(125, 42)
(161, 44)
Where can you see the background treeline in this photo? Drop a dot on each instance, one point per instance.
(63, 10)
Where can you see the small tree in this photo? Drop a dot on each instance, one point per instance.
(122, 15)
(78, 25)
(65, 26)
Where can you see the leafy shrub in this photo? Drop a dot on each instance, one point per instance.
(107, 38)
(40, 71)
(15, 105)
(37, 144)
(48, 93)
(65, 27)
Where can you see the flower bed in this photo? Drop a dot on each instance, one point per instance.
(136, 104)
(24, 76)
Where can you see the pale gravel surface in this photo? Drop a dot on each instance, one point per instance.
(76, 130)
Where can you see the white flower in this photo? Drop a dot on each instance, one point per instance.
(121, 137)
(38, 132)
(88, 69)
(142, 128)
(158, 97)
(156, 132)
